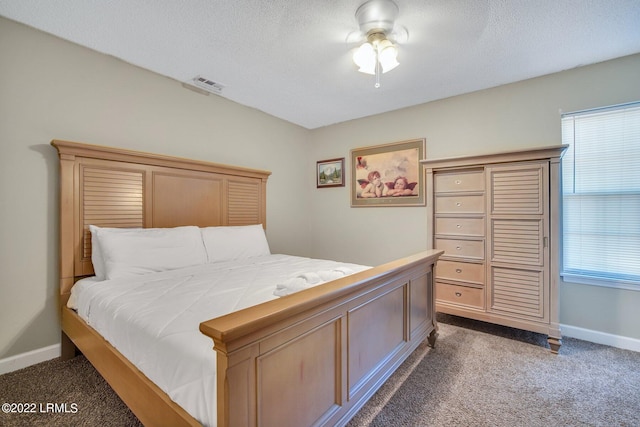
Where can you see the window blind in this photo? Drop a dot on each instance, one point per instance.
(601, 195)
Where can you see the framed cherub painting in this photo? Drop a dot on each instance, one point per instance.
(388, 175)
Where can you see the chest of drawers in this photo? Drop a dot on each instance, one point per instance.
(497, 219)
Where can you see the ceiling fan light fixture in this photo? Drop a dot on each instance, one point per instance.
(377, 50)
(378, 55)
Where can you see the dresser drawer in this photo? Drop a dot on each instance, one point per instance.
(459, 181)
(460, 271)
(453, 204)
(460, 226)
(461, 248)
(463, 295)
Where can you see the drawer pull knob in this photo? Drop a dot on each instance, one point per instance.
(458, 226)
(458, 182)
(458, 270)
(458, 203)
(458, 248)
(458, 294)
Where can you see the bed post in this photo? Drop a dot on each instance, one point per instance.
(67, 238)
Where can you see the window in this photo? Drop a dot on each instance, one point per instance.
(601, 196)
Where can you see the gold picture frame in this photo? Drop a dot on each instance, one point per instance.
(388, 174)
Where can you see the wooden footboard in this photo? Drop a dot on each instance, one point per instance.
(315, 357)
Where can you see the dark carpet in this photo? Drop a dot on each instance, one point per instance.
(477, 375)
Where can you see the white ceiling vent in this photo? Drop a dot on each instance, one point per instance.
(208, 85)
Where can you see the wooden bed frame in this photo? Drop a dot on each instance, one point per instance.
(311, 358)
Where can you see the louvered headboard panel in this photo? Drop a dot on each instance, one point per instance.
(111, 187)
(109, 198)
(243, 202)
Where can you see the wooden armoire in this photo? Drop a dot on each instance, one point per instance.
(497, 218)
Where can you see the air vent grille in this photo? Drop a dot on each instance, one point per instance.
(208, 85)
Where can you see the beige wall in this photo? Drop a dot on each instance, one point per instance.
(50, 89)
(509, 117)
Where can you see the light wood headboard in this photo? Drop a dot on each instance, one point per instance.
(112, 187)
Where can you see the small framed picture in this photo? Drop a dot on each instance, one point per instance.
(330, 173)
(388, 175)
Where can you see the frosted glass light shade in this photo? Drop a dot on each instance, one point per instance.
(387, 55)
(365, 58)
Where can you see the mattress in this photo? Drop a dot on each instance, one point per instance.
(153, 319)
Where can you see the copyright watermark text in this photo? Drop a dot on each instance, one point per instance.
(39, 408)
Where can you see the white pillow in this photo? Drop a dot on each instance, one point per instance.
(130, 251)
(235, 242)
(96, 252)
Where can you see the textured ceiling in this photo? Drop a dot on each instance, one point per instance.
(292, 58)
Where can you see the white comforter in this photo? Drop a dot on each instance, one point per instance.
(153, 319)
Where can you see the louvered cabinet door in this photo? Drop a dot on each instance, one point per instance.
(517, 249)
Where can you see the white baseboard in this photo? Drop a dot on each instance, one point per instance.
(29, 358)
(598, 337)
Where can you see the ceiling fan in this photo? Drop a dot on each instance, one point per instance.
(378, 54)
